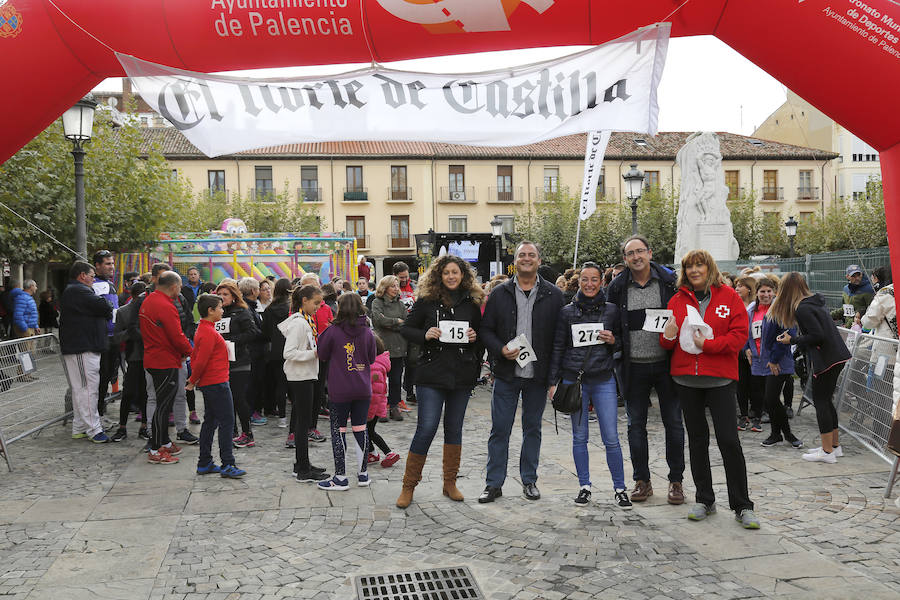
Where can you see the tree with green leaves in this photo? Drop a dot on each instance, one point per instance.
(273, 212)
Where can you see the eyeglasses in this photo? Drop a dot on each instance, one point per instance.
(636, 252)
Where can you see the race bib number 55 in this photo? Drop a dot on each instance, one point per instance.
(223, 326)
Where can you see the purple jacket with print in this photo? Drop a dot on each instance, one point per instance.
(350, 352)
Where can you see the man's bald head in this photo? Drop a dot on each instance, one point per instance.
(169, 283)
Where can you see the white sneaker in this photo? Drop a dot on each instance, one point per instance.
(819, 455)
(282, 422)
(837, 451)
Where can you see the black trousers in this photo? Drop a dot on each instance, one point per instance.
(276, 390)
(134, 392)
(721, 404)
(302, 398)
(256, 394)
(165, 383)
(376, 439)
(743, 385)
(109, 371)
(239, 381)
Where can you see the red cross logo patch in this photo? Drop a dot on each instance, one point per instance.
(722, 311)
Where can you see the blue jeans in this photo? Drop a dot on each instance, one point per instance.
(504, 400)
(642, 377)
(603, 397)
(218, 414)
(430, 403)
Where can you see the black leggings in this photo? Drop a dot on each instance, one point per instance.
(775, 384)
(823, 386)
(757, 396)
(788, 391)
(239, 381)
(356, 411)
(302, 397)
(743, 385)
(375, 439)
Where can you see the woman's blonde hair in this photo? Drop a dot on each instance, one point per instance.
(384, 283)
(748, 282)
(431, 285)
(231, 286)
(700, 257)
(784, 308)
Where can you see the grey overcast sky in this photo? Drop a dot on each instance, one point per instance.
(706, 86)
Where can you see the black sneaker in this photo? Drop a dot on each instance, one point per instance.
(584, 497)
(119, 435)
(796, 443)
(622, 501)
(771, 441)
(755, 426)
(143, 433)
(187, 437)
(311, 476)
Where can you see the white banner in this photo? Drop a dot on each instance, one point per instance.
(609, 87)
(593, 165)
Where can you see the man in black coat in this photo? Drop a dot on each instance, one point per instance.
(645, 365)
(83, 318)
(528, 306)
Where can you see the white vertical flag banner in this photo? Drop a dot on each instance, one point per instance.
(593, 165)
(609, 87)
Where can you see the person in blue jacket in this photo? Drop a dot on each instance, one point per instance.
(771, 363)
(25, 315)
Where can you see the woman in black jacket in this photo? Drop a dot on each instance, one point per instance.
(443, 321)
(276, 383)
(588, 336)
(825, 349)
(239, 328)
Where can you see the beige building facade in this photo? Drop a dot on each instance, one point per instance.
(799, 122)
(383, 193)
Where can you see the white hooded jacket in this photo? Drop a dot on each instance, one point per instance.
(300, 361)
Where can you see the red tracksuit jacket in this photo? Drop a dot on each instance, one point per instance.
(727, 317)
(209, 360)
(165, 344)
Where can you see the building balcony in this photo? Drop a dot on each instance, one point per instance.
(773, 194)
(457, 195)
(309, 195)
(400, 195)
(807, 194)
(356, 194)
(261, 195)
(735, 193)
(543, 194)
(399, 242)
(362, 242)
(509, 195)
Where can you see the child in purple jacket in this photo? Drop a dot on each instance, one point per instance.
(349, 348)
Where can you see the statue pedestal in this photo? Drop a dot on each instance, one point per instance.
(716, 238)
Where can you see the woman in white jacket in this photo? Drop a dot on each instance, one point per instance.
(301, 368)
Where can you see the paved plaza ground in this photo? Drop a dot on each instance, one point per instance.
(79, 520)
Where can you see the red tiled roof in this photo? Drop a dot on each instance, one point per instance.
(622, 146)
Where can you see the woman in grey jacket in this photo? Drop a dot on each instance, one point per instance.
(388, 315)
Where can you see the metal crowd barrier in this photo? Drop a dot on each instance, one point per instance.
(863, 396)
(33, 389)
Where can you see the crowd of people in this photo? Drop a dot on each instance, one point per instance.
(286, 353)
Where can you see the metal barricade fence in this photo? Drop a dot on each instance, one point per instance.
(33, 388)
(863, 396)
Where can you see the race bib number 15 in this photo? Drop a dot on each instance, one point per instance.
(453, 332)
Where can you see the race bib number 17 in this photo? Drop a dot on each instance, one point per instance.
(656, 319)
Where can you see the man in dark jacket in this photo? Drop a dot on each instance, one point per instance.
(83, 316)
(104, 271)
(525, 306)
(645, 365)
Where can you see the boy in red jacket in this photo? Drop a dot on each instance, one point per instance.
(209, 372)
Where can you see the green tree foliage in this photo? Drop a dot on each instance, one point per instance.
(129, 196)
(745, 223)
(276, 212)
(847, 224)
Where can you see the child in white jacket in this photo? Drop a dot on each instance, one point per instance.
(301, 367)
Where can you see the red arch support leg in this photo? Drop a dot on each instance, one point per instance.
(890, 179)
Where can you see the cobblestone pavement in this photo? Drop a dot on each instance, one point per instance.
(79, 520)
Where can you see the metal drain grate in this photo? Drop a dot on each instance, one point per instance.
(451, 583)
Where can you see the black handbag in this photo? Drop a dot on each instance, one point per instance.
(567, 397)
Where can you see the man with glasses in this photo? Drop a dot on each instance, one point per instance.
(104, 271)
(642, 286)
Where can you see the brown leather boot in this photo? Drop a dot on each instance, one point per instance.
(451, 468)
(642, 491)
(411, 478)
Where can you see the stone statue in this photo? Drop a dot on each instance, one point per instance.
(704, 220)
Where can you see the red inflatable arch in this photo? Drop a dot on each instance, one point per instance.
(841, 55)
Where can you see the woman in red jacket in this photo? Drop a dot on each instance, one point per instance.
(707, 330)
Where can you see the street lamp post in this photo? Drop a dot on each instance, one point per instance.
(497, 231)
(634, 183)
(78, 124)
(425, 250)
(790, 227)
